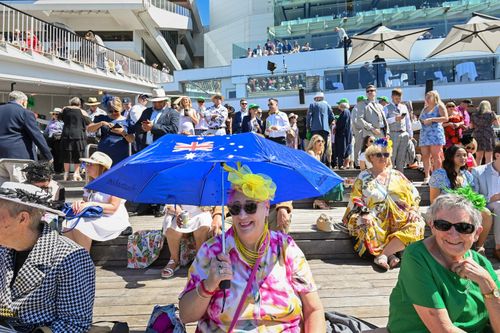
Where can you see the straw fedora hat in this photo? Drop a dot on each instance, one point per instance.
(92, 101)
(99, 158)
(219, 96)
(158, 95)
(36, 198)
(116, 104)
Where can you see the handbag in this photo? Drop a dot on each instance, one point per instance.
(164, 319)
(143, 248)
(416, 125)
(91, 212)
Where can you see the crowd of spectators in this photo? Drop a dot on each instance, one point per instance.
(276, 83)
(380, 128)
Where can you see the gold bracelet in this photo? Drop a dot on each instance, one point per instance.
(199, 294)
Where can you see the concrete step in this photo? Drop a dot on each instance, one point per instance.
(74, 190)
(315, 244)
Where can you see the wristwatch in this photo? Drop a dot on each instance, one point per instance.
(495, 293)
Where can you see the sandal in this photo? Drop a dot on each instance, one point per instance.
(393, 261)
(168, 271)
(381, 261)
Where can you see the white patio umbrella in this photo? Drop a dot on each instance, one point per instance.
(384, 42)
(478, 34)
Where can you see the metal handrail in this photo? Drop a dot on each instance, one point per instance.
(171, 7)
(31, 34)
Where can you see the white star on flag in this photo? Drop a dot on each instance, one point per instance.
(190, 156)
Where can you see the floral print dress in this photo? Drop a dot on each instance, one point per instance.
(273, 303)
(390, 206)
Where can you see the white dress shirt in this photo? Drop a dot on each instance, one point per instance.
(280, 120)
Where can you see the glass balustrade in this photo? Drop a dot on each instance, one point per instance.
(401, 74)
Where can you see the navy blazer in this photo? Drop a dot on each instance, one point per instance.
(19, 133)
(167, 123)
(236, 124)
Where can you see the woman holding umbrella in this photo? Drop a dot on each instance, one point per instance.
(272, 288)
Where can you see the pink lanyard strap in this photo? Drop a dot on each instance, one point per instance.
(247, 289)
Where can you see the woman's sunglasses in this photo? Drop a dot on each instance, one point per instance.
(469, 148)
(380, 155)
(370, 141)
(461, 227)
(250, 207)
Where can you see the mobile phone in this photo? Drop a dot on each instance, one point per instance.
(403, 115)
(117, 126)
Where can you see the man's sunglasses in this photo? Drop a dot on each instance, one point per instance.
(461, 227)
(243, 103)
(380, 155)
(250, 207)
(371, 90)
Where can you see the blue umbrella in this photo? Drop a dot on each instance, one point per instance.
(178, 169)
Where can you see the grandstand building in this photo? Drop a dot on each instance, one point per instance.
(236, 60)
(43, 50)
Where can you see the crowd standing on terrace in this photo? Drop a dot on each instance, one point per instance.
(459, 156)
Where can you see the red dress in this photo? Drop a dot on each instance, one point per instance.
(453, 134)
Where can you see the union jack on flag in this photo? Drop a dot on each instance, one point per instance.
(193, 146)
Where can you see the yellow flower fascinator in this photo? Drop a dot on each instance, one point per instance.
(255, 186)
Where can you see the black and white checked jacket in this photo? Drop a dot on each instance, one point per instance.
(55, 286)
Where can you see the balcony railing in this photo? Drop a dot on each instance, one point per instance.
(32, 35)
(440, 71)
(171, 7)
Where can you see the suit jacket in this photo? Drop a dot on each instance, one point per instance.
(482, 180)
(237, 122)
(369, 116)
(319, 116)
(167, 123)
(55, 286)
(19, 133)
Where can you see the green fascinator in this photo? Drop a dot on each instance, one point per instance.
(467, 192)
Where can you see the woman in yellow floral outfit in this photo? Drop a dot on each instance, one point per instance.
(383, 209)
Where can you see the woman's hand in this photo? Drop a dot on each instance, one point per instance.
(469, 269)
(220, 270)
(365, 220)
(118, 130)
(427, 122)
(78, 206)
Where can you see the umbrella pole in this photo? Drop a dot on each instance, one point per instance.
(226, 284)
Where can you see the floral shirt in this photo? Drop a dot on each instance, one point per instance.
(273, 304)
(220, 120)
(439, 179)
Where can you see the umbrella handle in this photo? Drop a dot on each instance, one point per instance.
(226, 284)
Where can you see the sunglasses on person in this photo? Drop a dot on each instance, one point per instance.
(380, 155)
(370, 141)
(469, 147)
(115, 111)
(461, 227)
(250, 207)
(320, 141)
(371, 90)
(244, 103)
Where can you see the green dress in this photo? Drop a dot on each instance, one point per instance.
(425, 282)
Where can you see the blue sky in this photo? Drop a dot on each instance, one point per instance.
(204, 11)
